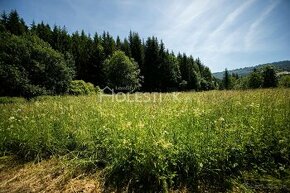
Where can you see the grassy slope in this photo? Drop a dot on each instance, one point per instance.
(203, 140)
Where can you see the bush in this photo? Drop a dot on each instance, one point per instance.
(80, 87)
(9, 100)
(98, 89)
(242, 83)
(284, 81)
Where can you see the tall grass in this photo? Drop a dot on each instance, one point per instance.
(201, 138)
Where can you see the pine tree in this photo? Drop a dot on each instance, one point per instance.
(125, 47)
(270, 77)
(108, 44)
(227, 80)
(14, 24)
(3, 22)
(136, 49)
(169, 72)
(160, 69)
(118, 43)
(44, 32)
(151, 65)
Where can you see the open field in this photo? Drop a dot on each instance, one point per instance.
(216, 141)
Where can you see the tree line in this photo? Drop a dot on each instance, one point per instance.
(144, 65)
(265, 77)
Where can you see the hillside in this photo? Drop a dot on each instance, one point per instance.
(280, 66)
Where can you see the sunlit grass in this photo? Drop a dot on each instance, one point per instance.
(191, 139)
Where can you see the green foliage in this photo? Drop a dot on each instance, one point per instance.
(44, 32)
(121, 72)
(151, 65)
(136, 49)
(30, 67)
(270, 77)
(183, 85)
(13, 23)
(159, 69)
(265, 77)
(190, 72)
(284, 81)
(80, 87)
(227, 82)
(108, 43)
(125, 47)
(202, 139)
(171, 75)
(255, 79)
(7, 100)
(241, 83)
(242, 72)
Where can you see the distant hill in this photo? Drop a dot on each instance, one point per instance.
(280, 66)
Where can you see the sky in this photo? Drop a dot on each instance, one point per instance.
(222, 33)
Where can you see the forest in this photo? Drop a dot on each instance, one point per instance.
(40, 59)
(44, 60)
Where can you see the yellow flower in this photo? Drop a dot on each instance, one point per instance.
(141, 125)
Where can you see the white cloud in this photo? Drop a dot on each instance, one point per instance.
(254, 32)
(179, 24)
(224, 37)
(216, 31)
(231, 18)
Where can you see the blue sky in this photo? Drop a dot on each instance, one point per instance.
(223, 33)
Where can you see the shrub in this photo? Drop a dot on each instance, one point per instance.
(284, 81)
(98, 89)
(8, 100)
(80, 87)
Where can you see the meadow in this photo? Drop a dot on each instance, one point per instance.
(202, 141)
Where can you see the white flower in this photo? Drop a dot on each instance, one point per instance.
(11, 118)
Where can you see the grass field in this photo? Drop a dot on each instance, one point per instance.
(206, 141)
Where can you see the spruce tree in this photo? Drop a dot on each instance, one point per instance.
(136, 49)
(14, 24)
(270, 77)
(125, 47)
(227, 80)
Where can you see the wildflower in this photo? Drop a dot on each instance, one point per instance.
(252, 105)
(166, 144)
(141, 125)
(128, 124)
(11, 118)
